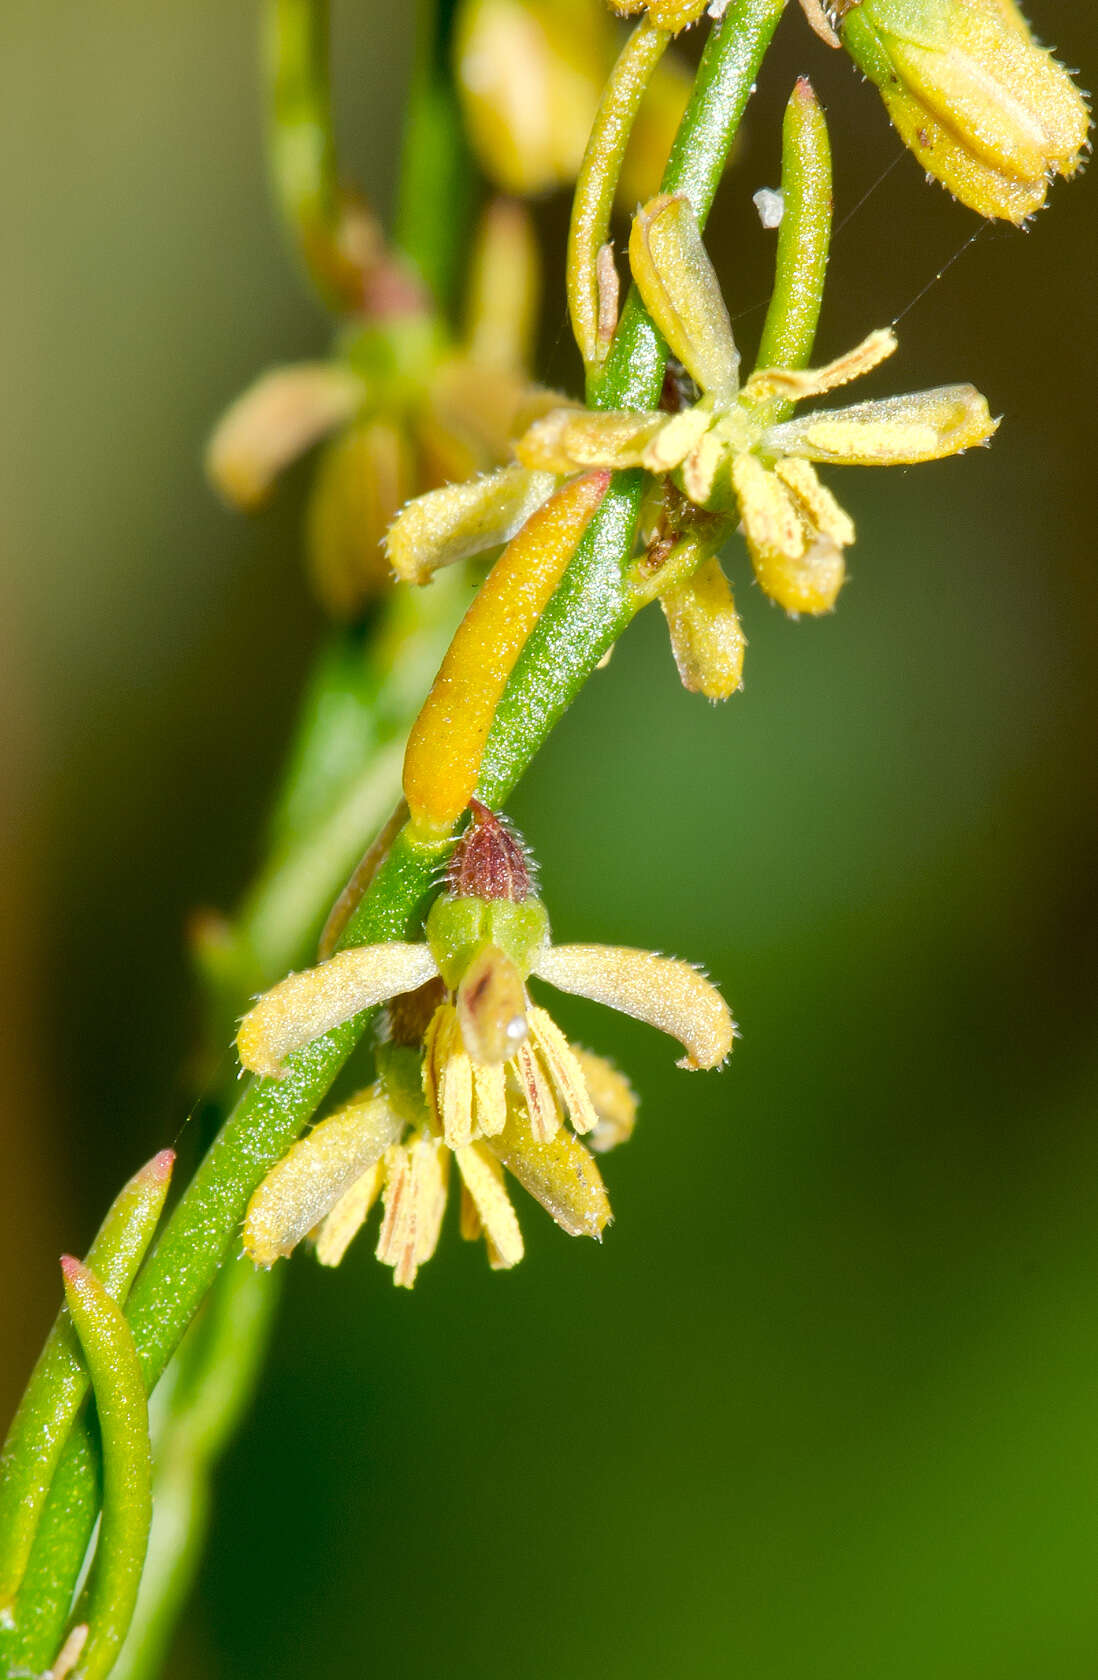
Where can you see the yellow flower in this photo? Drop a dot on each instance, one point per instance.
(472, 1069)
(733, 450)
(985, 110)
(384, 1143)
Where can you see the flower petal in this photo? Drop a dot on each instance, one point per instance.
(304, 1006)
(895, 431)
(683, 295)
(568, 440)
(560, 1174)
(319, 1169)
(668, 994)
(337, 1231)
(483, 1178)
(462, 520)
(797, 384)
(275, 421)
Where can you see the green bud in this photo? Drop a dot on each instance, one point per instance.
(458, 928)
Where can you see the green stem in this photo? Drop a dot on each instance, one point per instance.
(342, 781)
(804, 238)
(301, 146)
(588, 612)
(435, 197)
(196, 1408)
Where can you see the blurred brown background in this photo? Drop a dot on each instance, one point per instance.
(826, 1402)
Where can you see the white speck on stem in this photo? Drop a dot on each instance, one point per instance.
(771, 206)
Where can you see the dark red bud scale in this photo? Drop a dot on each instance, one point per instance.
(490, 861)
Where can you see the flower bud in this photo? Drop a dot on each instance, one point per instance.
(987, 111)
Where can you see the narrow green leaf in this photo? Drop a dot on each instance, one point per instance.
(127, 1467)
(59, 1380)
(804, 238)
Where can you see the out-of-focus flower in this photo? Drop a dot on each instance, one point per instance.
(409, 408)
(472, 1069)
(986, 111)
(530, 74)
(728, 452)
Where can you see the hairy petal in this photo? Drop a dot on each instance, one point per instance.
(662, 991)
(462, 520)
(568, 440)
(306, 1005)
(317, 1172)
(895, 431)
(798, 384)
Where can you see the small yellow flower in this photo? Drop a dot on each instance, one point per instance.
(385, 1143)
(985, 110)
(732, 449)
(472, 1069)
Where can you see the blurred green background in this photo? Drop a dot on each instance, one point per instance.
(825, 1403)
